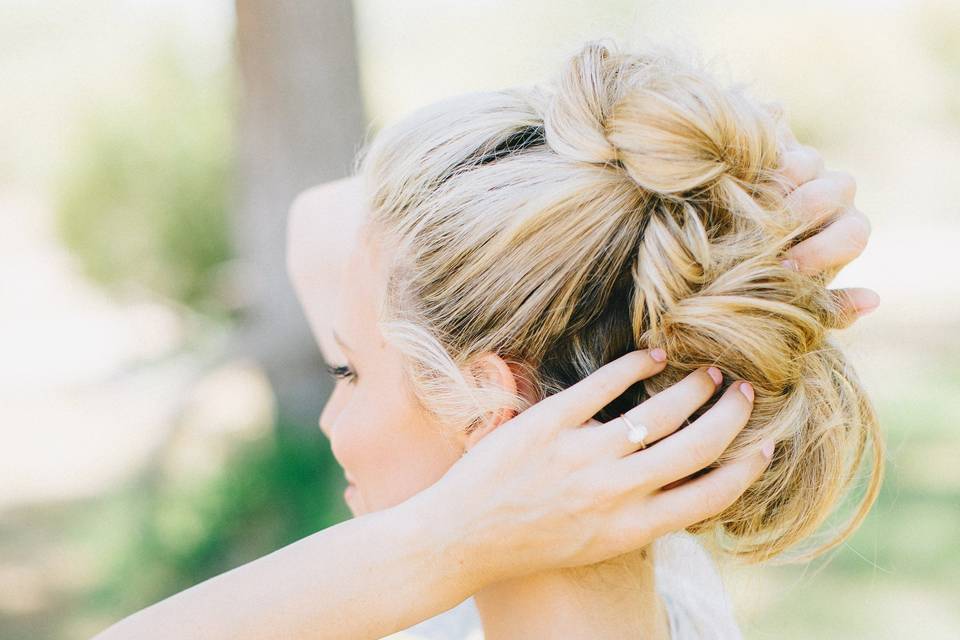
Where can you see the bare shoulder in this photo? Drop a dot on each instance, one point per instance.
(321, 227)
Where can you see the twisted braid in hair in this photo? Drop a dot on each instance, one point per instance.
(633, 202)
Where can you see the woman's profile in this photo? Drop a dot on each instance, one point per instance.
(518, 240)
(569, 320)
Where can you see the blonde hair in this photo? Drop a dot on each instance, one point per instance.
(633, 202)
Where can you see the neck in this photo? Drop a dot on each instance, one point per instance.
(614, 599)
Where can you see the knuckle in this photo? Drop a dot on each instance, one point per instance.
(604, 490)
(859, 231)
(653, 416)
(848, 185)
(864, 222)
(812, 157)
(550, 410)
(789, 165)
(607, 489)
(642, 478)
(809, 149)
(703, 450)
(606, 385)
(718, 495)
(822, 198)
(813, 199)
(819, 163)
(647, 532)
(804, 253)
(547, 406)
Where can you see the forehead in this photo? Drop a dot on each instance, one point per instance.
(361, 295)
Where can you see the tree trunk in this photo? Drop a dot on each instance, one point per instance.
(301, 120)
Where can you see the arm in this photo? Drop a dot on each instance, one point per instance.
(362, 578)
(384, 571)
(367, 577)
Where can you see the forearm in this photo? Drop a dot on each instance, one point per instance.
(363, 578)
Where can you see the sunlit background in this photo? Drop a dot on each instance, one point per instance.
(159, 391)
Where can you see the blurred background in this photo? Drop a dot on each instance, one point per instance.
(160, 388)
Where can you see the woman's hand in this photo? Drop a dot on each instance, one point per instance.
(554, 488)
(827, 196)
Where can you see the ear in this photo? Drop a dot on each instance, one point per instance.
(493, 370)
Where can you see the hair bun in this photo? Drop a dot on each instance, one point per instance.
(666, 122)
(516, 226)
(575, 119)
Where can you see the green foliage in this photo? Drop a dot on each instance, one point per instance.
(159, 538)
(143, 202)
(897, 575)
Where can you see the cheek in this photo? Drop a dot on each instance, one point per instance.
(389, 446)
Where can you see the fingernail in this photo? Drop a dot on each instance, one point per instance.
(790, 264)
(747, 389)
(714, 373)
(658, 354)
(869, 306)
(767, 449)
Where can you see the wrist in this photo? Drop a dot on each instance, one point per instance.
(445, 536)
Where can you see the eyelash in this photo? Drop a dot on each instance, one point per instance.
(341, 372)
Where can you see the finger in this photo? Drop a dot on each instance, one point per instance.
(818, 199)
(786, 132)
(693, 448)
(705, 496)
(853, 302)
(839, 243)
(581, 401)
(661, 415)
(800, 164)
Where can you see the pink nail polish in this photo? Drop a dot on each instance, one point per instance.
(791, 264)
(767, 449)
(714, 373)
(658, 354)
(747, 390)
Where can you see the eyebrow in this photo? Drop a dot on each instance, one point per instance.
(341, 342)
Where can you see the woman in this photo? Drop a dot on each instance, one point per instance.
(519, 504)
(517, 240)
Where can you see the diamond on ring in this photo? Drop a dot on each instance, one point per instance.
(636, 433)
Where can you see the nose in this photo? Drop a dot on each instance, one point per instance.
(326, 422)
(331, 408)
(326, 418)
